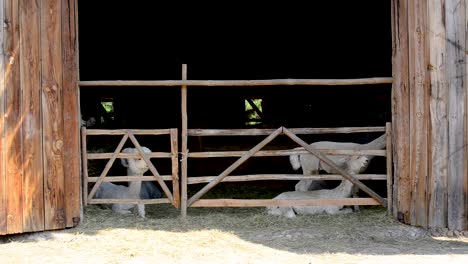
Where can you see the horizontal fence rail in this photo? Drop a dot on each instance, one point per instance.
(246, 83)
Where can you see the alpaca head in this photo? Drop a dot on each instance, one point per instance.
(135, 165)
(357, 164)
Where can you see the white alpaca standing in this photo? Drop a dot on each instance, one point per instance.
(353, 165)
(311, 165)
(108, 190)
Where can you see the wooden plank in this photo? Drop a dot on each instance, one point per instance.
(93, 156)
(175, 168)
(246, 83)
(400, 110)
(3, 188)
(84, 163)
(465, 188)
(457, 84)
(184, 148)
(438, 113)
(389, 169)
(106, 132)
(297, 131)
(13, 119)
(30, 67)
(71, 115)
(52, 113)
(270, 202)
(270, 153)
(417, 12)
(268, 177)
(330, 163)
(236, 164)
(130, 201)
(129, 178)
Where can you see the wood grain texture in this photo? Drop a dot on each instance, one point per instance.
(455, 15)
(244, 83)
(184, 148)
(438, 113)
(400, 110)
(3, 205)
(271, 202)
(52, 113)
(418, 114)
(30, 65)
(71, 114)
(13, 120)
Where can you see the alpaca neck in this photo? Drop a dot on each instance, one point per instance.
(134, 186)
(378, 143)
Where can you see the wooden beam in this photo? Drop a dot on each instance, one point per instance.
(456, 26)
(52, 114)
(71, 114)
(129, 178)
(184, 148)
(175, 168)
(271, 202)
(129, 201)
(93, 156)
(269, 153)
(297, 131)
(418, 111)
(438, 113)
(13, 120)
(84, 163)
(389, 169)
(268, 177)
(330, 163)
(400, 110)
(107, 132)
(30, 68)
(246, 83)
(3, 187)
(236, 164)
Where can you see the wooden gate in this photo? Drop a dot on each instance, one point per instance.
(171, 197)
(196, 201)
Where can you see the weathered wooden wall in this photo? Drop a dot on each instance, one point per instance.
(39, 146)
(429, 112)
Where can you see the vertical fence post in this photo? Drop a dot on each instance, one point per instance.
(388, 129)
(184, 136)
(84, 161)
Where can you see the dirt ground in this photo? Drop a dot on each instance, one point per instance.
(233, 235)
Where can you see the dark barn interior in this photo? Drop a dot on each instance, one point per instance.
(323, 40)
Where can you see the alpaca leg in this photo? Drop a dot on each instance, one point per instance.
(141, 210)
(118, 209)
(355, 195)
(289, 213)
(345, 211)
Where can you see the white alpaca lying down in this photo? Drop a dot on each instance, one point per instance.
(352, 165)
(108, 190)
(311, 165)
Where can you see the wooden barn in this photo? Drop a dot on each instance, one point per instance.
(209, 91)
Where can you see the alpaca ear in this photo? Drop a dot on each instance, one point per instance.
(125, 161)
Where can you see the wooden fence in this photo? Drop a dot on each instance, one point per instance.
(212, 181)
(171, 197)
